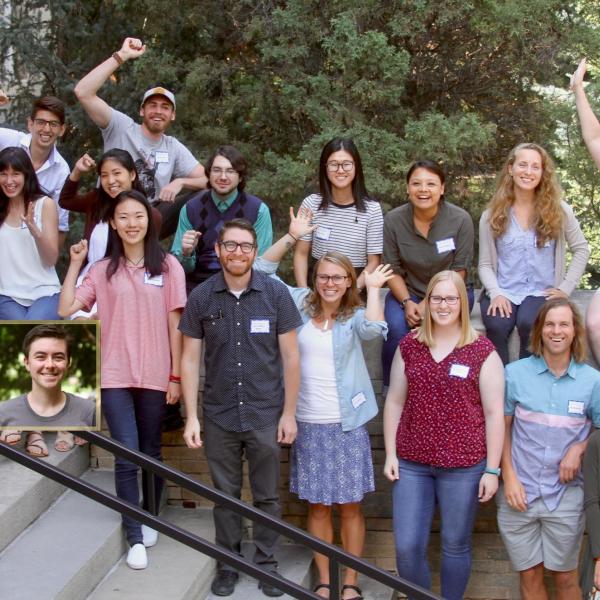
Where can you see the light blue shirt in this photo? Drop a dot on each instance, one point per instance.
(550, 414)
(355, 391)
(523, 268)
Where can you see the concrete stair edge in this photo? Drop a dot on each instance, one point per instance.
(69, 548)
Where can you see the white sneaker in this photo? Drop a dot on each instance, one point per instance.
(136, 557)
(149, 535)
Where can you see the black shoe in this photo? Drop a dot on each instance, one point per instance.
(224, 583)
(268, 589)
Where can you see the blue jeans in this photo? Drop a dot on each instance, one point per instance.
(43, 309)
(498, 329)
(398, 328)
(415, 495)
(134, 418)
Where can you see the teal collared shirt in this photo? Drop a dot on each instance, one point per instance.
(263, 228)
(550, 414)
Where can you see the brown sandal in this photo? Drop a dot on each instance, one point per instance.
(64, 441)
(354, 588)
(10, 437)
(324, 586)
(36, 446)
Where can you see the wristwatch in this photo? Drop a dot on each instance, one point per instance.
(493, 471)
(403, 302)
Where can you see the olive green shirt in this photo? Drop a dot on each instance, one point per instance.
(448, 245)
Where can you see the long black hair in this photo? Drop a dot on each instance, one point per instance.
(154, 255)
(126, 161)
(19, 160)
(359, 190)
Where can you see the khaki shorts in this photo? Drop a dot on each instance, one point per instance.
(540, 536)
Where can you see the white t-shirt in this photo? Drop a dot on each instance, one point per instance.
(318, 400)
(23, 276)
(157, 162)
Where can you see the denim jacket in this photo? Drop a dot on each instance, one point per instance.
(355, 391)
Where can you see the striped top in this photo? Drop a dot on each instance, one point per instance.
(345, 229)
(550, 414)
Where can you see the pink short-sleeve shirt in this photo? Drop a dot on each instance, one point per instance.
(133, 313)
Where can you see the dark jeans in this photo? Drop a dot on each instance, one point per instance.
(134, 418)
(415, 495)
(398, 328)
(498, 329)
(224, 452)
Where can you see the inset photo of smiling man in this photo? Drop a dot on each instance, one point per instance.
(49, 381)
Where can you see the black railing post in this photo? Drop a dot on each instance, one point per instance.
(152, 499)
(334, 579)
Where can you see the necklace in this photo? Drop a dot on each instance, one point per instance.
(133, 262)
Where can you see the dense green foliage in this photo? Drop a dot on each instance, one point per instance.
(459, 81)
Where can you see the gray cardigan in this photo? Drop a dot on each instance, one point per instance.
(565, 279)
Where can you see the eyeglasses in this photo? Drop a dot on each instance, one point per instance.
(450, 300)
(41, 123)
(219, 172)
(337, 279)
(334, 166)
(231, 246)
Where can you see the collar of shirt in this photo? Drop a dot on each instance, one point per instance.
(256, 283)
(223, 205)
(441, 210)
(26, 143)
(541, 366)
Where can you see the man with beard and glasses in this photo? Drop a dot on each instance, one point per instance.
(248, 323)
(165, 166)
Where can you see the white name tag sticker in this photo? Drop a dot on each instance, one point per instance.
(259, 326)
(157, 280)
(161, 157)
(359, 399)
(576, 407)
(323, 233)
(446, 245)
(459, 371)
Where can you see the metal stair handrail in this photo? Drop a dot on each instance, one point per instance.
(156, 468)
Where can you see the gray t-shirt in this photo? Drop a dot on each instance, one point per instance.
(157, 162)
(77, 412)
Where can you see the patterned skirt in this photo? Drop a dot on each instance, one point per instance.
(330, 466)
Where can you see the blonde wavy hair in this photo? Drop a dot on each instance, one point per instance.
(351, 298)
(548, 215)
(468, 334)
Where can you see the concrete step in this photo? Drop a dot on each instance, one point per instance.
(174, 571)
(180, 573)
(27, 494)
(66, 551)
